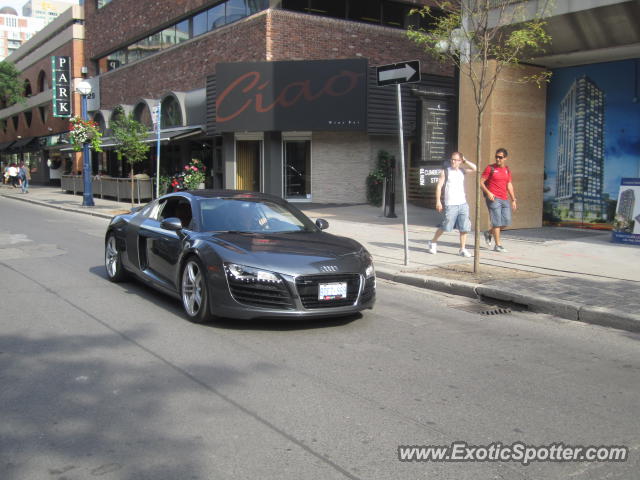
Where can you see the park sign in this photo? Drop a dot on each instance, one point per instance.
(394, 73)
(61, 75)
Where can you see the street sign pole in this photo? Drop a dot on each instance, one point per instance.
(396, 74)
(404, 179)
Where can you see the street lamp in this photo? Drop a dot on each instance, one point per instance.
(84, 89)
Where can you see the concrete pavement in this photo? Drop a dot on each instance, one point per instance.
(570, 273)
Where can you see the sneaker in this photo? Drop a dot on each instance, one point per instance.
(464, 253)
(487, 238)
(432, 248)
(500, 249)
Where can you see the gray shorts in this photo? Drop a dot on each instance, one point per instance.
(456, 217)
(499, 212)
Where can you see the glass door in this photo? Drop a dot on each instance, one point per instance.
(297, 169)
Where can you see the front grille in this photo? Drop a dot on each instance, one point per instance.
(308, 290)
(264, 295)
(369, 290)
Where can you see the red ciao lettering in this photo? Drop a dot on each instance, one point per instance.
(288, 96)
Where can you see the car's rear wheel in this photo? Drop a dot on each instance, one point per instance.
(194, 292)
(113, 260)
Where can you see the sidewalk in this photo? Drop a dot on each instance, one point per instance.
(571, 273)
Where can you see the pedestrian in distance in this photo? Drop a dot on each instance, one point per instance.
(456, 209)
(13, 175)
(24, 176)
(498, 189)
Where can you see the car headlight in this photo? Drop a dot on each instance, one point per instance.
(242, 273)
(370, 271)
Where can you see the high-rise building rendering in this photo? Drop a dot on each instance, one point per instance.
(579, 182)
(626, 204)
(15, 30)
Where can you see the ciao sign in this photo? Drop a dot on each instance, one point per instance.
(313, 95)
(61, 74)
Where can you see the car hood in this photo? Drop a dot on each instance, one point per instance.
(292, 253)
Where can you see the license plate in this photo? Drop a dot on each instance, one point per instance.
(332, 291)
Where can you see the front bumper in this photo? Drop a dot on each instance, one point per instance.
(299, 290)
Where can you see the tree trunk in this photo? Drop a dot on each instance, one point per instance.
(132, 205)
(476, 215)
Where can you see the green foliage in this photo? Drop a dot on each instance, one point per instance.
(165, 184)
(11, 87)
(475, 32)
(129, 135)
(375, 179)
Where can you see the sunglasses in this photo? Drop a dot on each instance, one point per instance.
(499, 156)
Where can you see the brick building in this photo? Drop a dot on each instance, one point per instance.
(310, 134)
(30, 132)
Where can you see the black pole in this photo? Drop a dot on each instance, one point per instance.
(390, 178)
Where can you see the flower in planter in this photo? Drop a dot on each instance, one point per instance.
(81, 132)
(194, 174)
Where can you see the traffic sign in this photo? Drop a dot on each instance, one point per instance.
(394, 73)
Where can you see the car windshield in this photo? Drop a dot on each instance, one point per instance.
(250, 215)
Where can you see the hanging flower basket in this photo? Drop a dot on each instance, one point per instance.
(81, 132)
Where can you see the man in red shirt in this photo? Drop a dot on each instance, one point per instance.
(497, 187)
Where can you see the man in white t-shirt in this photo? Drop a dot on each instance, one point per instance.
(456, 209)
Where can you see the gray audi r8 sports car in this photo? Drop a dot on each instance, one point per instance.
(240, 255)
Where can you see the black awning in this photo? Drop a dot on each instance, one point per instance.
(5, 145)
(25, 144)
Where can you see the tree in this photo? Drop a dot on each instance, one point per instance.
(482, 37)
(11, 87)
(129, 135)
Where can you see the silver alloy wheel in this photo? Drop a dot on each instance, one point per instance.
(111, 257)
(192, 285)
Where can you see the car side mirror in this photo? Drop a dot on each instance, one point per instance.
(172, 223)
(322, 224)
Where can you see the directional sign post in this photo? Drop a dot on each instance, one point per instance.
(395, 74)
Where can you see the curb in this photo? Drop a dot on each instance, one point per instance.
(590, 314)
(59, 207)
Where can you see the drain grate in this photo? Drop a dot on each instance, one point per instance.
(496, 311)
(482, 309)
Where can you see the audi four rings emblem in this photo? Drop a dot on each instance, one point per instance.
(329, 268)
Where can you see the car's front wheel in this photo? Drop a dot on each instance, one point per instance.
(113, 260)
(194, 291)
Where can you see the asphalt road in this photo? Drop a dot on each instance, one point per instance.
(110, 381)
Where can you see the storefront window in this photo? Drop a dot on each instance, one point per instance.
(297, 169)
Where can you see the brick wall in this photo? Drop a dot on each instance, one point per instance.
(186, 66)
(340, 163)
(121, 20)
(270, 35)
(297, 36)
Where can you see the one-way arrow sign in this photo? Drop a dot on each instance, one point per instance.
(403, 72)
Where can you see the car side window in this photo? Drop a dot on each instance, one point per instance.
(177, 207)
